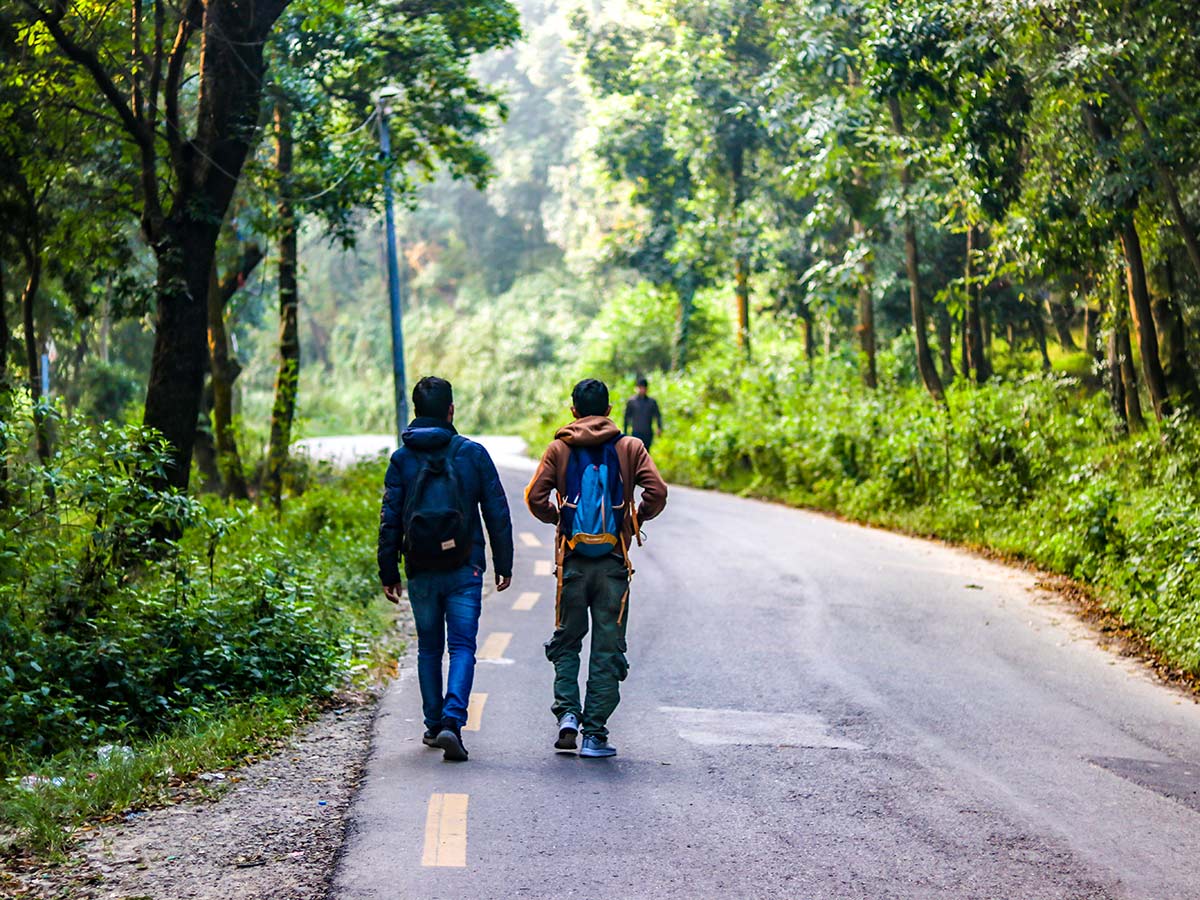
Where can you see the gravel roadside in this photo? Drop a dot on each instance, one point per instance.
(270, 830)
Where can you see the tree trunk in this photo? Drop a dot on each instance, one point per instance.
(33, 359)
(1128, 374)
(945, 333)
(866, 319)
(686, 289)
(1038, 325)
(974, 341)
(1172, 336)
(741, 262)
(964, 356)
(204, 451)
(1143, 317)
(1165, 178)
(180, 342)
(1116, 384)
(284, 409)
(1060, 315)
(1089, 331)
(223, 372)
(810, 345)
(928, 373)
(206, 170)
(1135, 271)
(1133, 402)
(5, 391)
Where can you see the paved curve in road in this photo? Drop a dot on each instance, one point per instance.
(813, 710)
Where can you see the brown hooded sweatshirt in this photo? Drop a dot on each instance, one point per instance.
(637, 470)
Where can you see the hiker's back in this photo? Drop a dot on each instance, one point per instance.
(438, 510)
(593, 510)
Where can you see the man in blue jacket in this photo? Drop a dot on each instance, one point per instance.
(446, 597)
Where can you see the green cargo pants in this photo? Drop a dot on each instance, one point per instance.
(600, 586)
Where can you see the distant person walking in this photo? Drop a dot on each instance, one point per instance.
(436, 485)
(593, 470)
(642, 415)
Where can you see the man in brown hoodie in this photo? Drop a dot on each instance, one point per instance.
(591, 583)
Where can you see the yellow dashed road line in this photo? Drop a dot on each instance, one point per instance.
(529, 539)
(526, 601)
(495, 645)
(446, 831)
(475, 712)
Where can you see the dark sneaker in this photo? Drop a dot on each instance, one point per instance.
(450, 740)
(429, 738)
(568, 731)
(596, 747)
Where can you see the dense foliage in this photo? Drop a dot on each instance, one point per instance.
(110, 632)
(1033, 466)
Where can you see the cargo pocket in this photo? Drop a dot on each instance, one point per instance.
(620, 666)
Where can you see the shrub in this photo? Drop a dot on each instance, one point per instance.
(110, 630)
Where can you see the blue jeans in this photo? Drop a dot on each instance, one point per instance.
(446, 607)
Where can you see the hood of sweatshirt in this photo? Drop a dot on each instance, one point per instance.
(588, 431)
(425, 433)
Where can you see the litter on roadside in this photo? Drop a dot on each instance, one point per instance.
(110, 753)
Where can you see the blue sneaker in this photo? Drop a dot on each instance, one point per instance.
(568, 731)
(596, 747)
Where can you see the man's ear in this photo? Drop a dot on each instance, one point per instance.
(450, 413)
(573, 412)
(608, 412)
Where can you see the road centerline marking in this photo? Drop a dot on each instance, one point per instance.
(446, 831)
(543, 567)
(494, 646)
(527, 601)
(529, 539)
(475, 711)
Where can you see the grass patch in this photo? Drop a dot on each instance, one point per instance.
(82, 785)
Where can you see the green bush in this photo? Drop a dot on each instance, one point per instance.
(1032, 467)
(111, 629)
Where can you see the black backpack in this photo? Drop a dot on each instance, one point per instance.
(437, 526)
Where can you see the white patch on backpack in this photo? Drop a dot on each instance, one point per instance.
(448, 545)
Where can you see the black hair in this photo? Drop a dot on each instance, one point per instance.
(641, 381)
(590, 398)
(432, 397)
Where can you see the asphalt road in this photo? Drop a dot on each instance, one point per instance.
(813, 710)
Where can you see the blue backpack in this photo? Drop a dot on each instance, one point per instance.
(594, 509)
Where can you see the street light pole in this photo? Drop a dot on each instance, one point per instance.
(395, 273)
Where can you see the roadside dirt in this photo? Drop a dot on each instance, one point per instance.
(270, 830)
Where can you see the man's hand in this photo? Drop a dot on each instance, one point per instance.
(394, 591)
(503, 582)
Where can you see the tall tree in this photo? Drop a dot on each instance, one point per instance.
(186, 180)
(287, 379)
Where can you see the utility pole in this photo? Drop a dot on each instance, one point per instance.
(395, 274)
